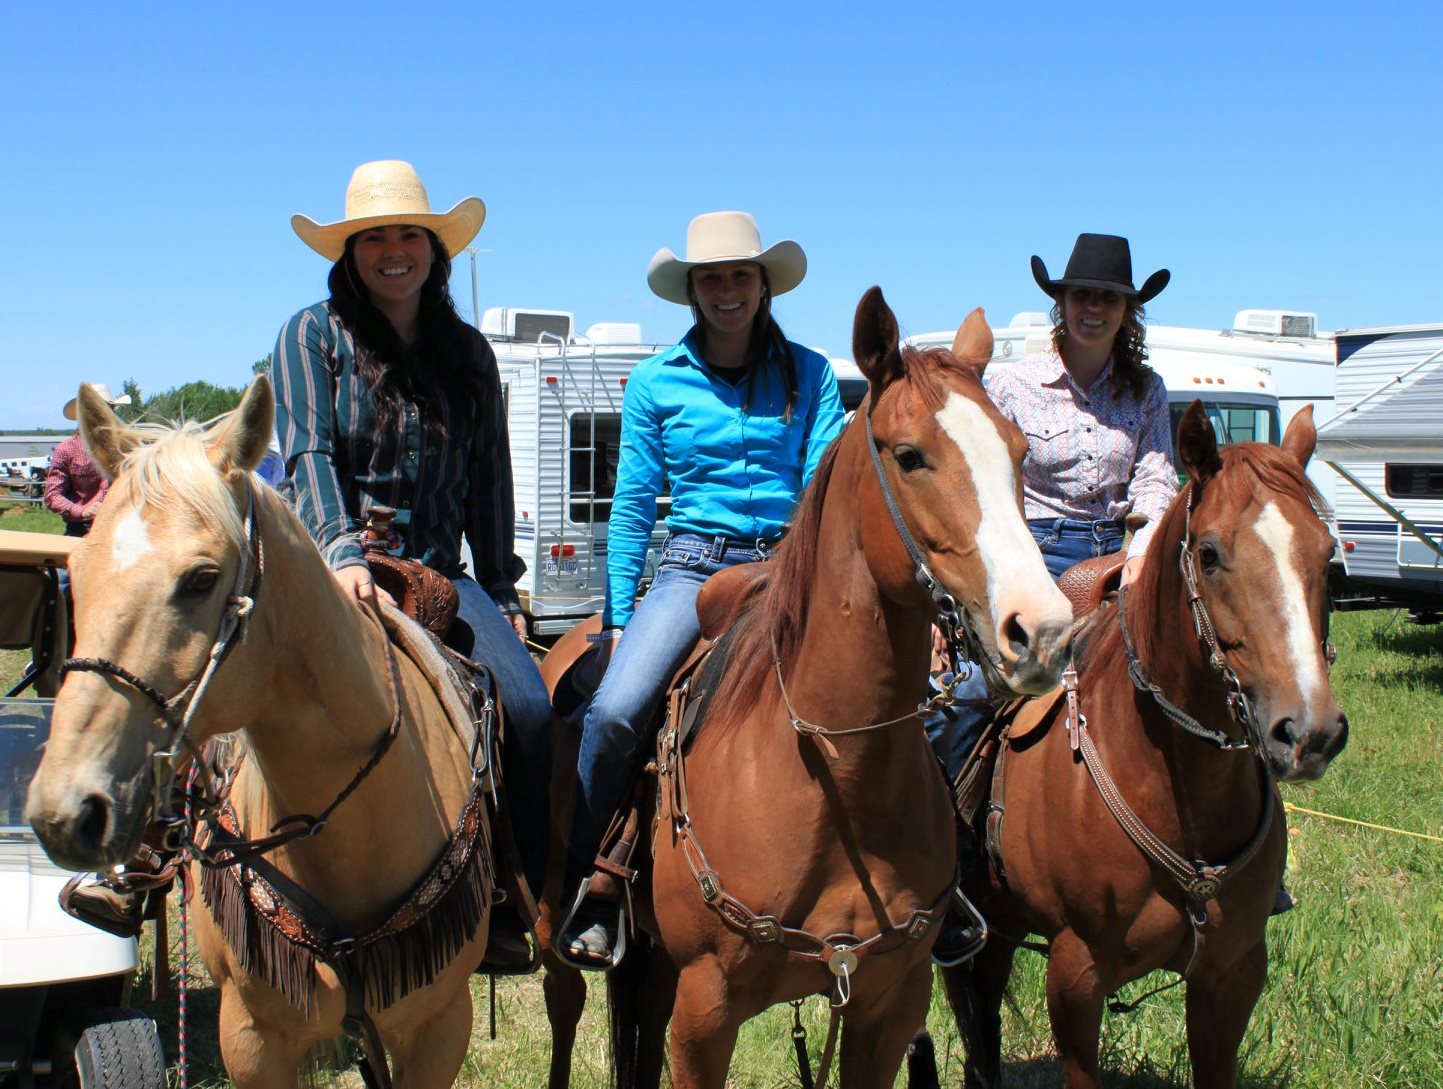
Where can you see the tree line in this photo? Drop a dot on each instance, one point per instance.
(193, 401)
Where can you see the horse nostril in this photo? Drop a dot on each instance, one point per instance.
(1284, 732)
(1015, 636)
(91, 821)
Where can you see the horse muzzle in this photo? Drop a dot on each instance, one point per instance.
(89, 829)
(1033, 645)
(1299, 747)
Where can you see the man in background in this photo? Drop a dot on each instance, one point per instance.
(75, 487)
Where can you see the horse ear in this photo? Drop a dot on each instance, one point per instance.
(104, 433)
(973, 343)
(874, 342)
(1197, 445)
(241, 440)
(1301, 437)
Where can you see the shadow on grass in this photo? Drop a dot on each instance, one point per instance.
(1044, 1074)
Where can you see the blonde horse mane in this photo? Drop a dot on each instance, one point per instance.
(169, 468)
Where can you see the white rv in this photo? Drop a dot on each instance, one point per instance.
(563, 404)
(1222, 369)
(1386, 445)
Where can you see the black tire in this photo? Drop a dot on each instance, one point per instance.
(118, 1049)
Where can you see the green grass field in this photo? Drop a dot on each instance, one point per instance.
(1355, 992)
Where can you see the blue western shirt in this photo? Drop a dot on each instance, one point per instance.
(734, 470)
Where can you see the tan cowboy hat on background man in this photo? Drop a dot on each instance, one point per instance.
(385, 193)
(725, 236)
(104, 391)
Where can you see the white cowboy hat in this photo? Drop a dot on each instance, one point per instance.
(725, 236)
(387, 192)
(104, 391)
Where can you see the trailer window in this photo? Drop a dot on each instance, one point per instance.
(1232, 422)
(594, 444)
(1414, 481)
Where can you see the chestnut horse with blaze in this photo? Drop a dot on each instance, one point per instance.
(1141, 828)
(812, 850)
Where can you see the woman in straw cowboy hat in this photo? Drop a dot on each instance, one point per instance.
(385, 397)
(74, 485)
(733, 420)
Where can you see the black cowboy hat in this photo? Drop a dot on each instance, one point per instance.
(1103, 261)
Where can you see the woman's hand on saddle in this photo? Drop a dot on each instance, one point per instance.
(1130, 570)
(518, 622)
(356, 581)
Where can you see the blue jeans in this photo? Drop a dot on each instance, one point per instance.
(954, 731)
(526, 756)
(621, 720)
(1065, 541)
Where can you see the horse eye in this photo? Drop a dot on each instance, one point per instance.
(201, 581)
(1208, 556)
(908, 459)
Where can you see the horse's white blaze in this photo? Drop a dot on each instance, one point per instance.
(1009, 553)
(131, 539)
(1277, 533)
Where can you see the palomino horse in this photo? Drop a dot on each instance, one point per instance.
(188, 545)
(1216, 682)
(812, 848)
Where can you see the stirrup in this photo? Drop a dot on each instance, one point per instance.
(972, 933)
(559, 942)
(115, 911)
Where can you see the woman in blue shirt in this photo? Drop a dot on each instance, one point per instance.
(384, 396)
(734, 420)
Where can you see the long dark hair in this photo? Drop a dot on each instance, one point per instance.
(766, 339)
(1130, 372)
(439, 367)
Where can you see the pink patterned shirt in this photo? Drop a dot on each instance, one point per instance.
(1091, 454)
(74, 480)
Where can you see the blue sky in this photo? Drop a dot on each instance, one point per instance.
(1271, 155)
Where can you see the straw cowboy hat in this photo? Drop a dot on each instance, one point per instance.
(387, 192)
(104, 391)
(725, 236)
(1102, 261)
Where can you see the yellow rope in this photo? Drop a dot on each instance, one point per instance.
(1291, 808)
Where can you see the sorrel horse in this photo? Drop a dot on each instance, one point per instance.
(188, 545)
(812, 849)
(1206, 681)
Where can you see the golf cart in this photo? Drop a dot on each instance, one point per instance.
(64, 986)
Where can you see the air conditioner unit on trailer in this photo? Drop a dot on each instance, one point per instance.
(526, 326)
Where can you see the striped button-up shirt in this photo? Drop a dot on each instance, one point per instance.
(1092, 454)
(339, 465)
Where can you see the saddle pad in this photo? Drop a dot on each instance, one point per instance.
(425, 652)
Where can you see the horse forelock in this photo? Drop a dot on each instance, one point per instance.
(1268, 472)
(169, 469)
(925, 370)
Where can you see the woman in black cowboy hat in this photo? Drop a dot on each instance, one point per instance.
(1095, 415)
(1098, 449)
